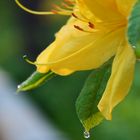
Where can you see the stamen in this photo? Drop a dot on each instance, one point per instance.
(66, 5)
(32, 11)
(70, 2)
(75, 16)
(81, 29)
(54, 11)
(32, 63)
(61, 12)
(91, 25)
(55, 6)
(27, 60)
(58, 9)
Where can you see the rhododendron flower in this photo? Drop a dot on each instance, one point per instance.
(95, 32)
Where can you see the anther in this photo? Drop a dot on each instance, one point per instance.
(70, 2)
(74, 15)
(56, 7)
(54, 11)
(91, 25)
(79, 28)
(65, 9)
(66, 5)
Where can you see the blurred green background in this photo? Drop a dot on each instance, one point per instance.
(22, 33)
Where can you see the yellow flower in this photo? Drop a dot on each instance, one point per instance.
(95, 32)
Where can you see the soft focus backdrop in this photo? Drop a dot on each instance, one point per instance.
(51, 108)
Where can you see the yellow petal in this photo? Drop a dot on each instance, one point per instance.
(125, 6)
(42, 59)
(105, 10)
(75, 51)
(84, 11)
(120, 80)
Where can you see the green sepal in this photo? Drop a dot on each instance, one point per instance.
(133, 32)
(86, 104)
(35, 80)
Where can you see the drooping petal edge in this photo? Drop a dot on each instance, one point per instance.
(120, 81)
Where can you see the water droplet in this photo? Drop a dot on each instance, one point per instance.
(86, 134)
(134, 47)
(18, 86)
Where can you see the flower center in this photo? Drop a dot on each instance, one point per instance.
(90, 25)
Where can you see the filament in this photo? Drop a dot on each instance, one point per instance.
(61, 12)
(81, 29)
(30, 62)
(90, 25)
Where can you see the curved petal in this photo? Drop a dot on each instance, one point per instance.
(74, 50)
(105, 10)
(85, 12)
(125, 6)
(119, 82)
(68, 41)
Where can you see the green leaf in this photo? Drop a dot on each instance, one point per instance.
(35, 80)
(134, 28)
(86, 104)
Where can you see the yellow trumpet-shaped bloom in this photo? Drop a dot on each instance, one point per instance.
(95, 32)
